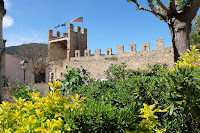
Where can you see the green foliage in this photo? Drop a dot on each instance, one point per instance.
(22, 92)
(185, 93)
(116, 72)
(182, 4)
(183, 83)
(157, 68)
(195, 33)
(73, 78)
(195, 39)
(123, 95)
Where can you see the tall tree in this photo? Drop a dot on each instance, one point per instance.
(178, 14)
(2, 50)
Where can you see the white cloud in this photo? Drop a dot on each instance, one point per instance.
(7, 21)
(18, 39)
(7, 4)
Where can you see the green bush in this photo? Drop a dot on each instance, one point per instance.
(73, 78)
(22, 92)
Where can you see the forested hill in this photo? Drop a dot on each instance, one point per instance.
(31, 50)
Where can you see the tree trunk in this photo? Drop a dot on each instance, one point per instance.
(1, 74)
(180, 31)
(2, 53)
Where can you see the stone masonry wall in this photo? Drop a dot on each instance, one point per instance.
(98, 63)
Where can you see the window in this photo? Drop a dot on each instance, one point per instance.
(145, 48)
(107, 52)
(61, 64)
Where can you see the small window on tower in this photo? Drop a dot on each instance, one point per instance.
(107, 52)
(145, 48)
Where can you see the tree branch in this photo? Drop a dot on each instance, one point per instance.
(140, 7)
(162, 5)
(155, 11)
(189, 10)
(172, 6)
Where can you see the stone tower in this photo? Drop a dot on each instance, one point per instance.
(64, 47)
(2, 49)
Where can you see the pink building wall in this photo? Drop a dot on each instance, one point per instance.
(13, 69)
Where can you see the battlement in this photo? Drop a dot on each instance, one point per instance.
(57, 35)
(64, 47)
(65, 35)
(132, 50)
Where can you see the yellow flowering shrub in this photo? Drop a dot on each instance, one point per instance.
(45, 115)
(189, 59)
(149, 122)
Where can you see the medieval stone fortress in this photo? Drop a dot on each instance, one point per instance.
(70, 50)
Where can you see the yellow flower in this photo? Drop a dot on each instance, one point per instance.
(188, 59)
(76, 98)
(77, 101)
(57, 115)
(55, 84)
(34, 95)
(50, 126)
(148, 112)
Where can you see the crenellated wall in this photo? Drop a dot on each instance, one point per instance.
(96, 64)
(75, 54)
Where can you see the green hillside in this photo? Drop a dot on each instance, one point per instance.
(31, 50)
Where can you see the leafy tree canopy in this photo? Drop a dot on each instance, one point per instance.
(195, 33)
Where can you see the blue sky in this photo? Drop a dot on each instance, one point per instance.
(109, 22)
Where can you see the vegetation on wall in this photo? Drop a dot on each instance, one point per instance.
(111, 58)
